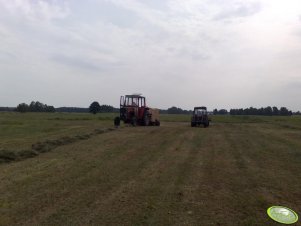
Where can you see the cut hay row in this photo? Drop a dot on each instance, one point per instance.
(46, 146)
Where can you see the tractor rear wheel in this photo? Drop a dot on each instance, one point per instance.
(146, 120)
(192, 124)
(134, 121)
(206, 124)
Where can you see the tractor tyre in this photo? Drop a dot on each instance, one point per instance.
(117, 121)
(133, 121)
(206, 124)
(157, 122)
(192, 124)
(146, 121)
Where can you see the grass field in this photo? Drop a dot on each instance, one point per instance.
(83, 173)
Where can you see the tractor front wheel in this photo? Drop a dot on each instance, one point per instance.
(117, 122)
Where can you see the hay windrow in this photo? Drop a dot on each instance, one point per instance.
(16, 155)
(7, 156)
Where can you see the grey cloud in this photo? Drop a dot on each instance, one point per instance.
(293, 86)
(193, 54)
(76, 62)
(85, 63)
(7, 56)
(287, 95)
(37, 10)
(137, 41)
(239, 10)
(157, 4)
(187, 53)
(105, 11)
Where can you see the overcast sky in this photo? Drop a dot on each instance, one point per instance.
(216, 53)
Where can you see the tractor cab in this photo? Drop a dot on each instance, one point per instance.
(132, 108)
(200, 111)
(132, 101)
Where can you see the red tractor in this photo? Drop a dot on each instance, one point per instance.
(133, 110)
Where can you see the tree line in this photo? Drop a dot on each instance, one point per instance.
(175, 110)
(7, 109)
(95, 107)
(267, 111)
(34, 107)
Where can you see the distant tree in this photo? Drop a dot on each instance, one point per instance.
(246, 111)
(22, 108)
(232, 111)
(40, 107)
(34, 107)
(106, 108)
(72, 109)
(163, 111)
(94, 107)
(283, 111)
(50, 109)
(259, 111)
(275, 111)
(7, 109)
(174, 110)
(37, 107)
(187, 112)
(268, 111)
(222, 112)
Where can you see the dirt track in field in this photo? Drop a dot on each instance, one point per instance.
(227, 174)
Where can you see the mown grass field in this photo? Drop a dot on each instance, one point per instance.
(88, 174)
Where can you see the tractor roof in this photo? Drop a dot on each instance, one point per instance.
(134, 96)
(203, 108)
